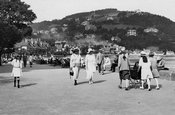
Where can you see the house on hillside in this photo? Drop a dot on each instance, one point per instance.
(131, 32)
(110, 18)
(32, 43)
(151, 29)
(115, 38)
(21, 45)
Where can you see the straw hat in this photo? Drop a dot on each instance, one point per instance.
(151, 54)
(142, 53)
(159, 58)
(90, 50)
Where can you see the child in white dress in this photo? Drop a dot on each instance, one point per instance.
(145, 66)
(17, 70)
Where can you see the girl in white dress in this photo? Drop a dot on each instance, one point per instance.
(75, 64)
(90, 63)
(145, 66)
(17, 70)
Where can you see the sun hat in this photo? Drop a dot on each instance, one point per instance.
(142, 53)
(151, 53)
(90, 50)
(159, 58)
(75, 50)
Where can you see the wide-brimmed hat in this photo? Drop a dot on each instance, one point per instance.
(159, 58)
(151, 53)
(142, 53)
(76, 50)
(90, 50)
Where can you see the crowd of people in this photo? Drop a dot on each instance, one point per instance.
(148, 66)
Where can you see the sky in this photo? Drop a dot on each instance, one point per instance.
(48, 10)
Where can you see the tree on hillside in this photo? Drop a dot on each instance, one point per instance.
(15, 18)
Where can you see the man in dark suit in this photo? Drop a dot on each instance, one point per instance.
(100, 61)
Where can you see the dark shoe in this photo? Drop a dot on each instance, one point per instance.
(75, 82)
(127, 89)
(120, 87)
(149, 89)
(157, 88)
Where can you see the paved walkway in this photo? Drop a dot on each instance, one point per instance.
(48, 90)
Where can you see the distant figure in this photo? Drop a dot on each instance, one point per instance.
(17, 70)
(90, 63)
(161, 64)
(75, 64)
(107, 62)
(31, 60)
(100, 61)
(114, 63)
(25, 60)
(146, 73)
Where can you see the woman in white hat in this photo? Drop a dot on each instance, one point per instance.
(90, 63)
(17, 70)
(145, 66)
(75, 64)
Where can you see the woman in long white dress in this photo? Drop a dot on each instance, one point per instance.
(17, 70)
(90, 63)
(145, 66)
(75, 64)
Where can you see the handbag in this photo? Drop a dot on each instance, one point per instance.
(71, 72)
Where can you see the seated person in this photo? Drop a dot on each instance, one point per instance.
(161, 64)
(107, 62)
(114, 64)
(136, 65)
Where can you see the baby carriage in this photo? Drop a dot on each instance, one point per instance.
(135, 75)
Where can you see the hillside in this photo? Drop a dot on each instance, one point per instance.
(135, 29)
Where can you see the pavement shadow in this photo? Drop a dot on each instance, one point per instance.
(100, 81)
(5, 80)
(84, 82)
(154, 86)
(27, 85)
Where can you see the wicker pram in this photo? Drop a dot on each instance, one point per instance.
(135, 76)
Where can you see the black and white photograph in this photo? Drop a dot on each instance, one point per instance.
(87, 57)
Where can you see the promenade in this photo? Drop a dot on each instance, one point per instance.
(47, 90)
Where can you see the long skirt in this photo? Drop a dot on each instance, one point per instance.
(90, 74)
(155, 73)
(76, 71)
(124, 74)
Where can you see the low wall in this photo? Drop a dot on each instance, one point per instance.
(167, 75)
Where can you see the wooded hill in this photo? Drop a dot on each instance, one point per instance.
(133, 29)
